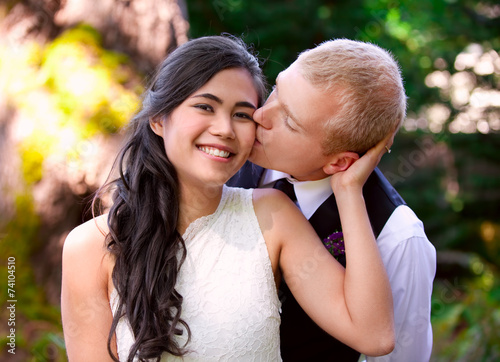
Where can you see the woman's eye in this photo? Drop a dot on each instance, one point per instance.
(243, 115)
(204, 107)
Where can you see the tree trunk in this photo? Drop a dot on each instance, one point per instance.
(145, 30)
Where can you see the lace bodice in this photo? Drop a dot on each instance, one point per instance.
(230, 299)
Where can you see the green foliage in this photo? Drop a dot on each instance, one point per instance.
(49, 347)
(32, 307)
(87, 82)
(452, 183)
(279, 30)
(32, 160)
(66, 92)
(22, 228)
(466, 316)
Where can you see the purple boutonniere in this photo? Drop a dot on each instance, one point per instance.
(335, 244)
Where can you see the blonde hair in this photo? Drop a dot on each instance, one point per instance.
(367, 92)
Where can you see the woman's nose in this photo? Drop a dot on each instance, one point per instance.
(223, 127)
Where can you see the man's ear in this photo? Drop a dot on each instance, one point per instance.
(156, 125)
(340, 162)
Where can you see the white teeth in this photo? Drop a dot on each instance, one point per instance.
(215, 152)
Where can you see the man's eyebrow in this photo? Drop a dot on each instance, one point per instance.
(285, 106)
(218, 100)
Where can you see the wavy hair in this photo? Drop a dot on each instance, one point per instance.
(143, 236)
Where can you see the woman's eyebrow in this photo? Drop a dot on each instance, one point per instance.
(246, 104)
(209, 96)
(220, 101)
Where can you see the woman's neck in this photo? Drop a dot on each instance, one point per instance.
(195, 203)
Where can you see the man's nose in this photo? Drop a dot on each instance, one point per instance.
(262, 116)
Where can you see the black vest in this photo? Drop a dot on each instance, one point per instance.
(301, 338)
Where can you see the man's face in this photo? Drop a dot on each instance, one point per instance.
(290, 127)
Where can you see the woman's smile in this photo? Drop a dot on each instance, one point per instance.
(214, 151)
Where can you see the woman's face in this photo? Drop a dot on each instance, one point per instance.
(209, 136)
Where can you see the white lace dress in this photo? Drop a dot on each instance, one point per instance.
(230, 299)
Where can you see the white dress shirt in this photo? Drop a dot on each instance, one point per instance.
(410, 261)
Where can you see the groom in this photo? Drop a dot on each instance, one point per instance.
(329, 107)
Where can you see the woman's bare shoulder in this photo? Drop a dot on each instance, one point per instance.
(276, 212)
(85, 289)
(272, 202)
(267, 197)
(87, 240)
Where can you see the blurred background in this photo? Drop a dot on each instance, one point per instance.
(71, 75)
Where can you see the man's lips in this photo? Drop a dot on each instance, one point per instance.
(257, 132)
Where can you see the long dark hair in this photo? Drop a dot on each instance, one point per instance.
(142, 221)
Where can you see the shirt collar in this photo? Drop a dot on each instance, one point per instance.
(310, 194)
